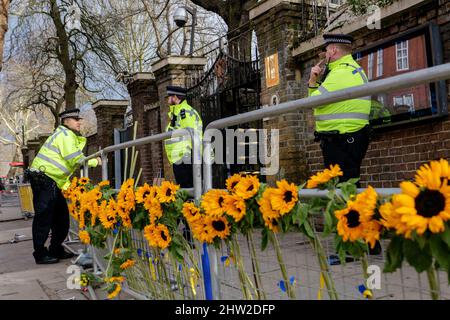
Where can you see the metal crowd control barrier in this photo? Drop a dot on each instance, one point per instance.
(197, 190)
(433, 74)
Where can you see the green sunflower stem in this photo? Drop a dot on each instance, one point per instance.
(255, 265)
(241, 272)
(112, 253)
(432, 281)
(289, 288)
(329, 283)
(365, 266)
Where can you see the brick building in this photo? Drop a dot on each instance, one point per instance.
(413, 35)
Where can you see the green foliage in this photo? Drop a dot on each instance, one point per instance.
(359, 7)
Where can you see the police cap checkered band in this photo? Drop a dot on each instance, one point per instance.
(72, 113)
(337, 38)
(176, 91)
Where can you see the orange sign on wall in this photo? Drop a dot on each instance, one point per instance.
(272, 71)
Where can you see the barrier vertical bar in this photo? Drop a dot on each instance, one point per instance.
(104, 158)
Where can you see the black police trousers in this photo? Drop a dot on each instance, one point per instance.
(346, 150)
(183, 175)
(50, 213)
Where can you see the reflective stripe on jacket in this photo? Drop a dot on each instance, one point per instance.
(348, 115)
(61, 155)
(181, 116)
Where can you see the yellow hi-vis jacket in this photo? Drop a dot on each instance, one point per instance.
(349, 115)
(181, 116)
(61, 155)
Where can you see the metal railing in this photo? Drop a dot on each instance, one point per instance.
(196, 192)
(422, 76)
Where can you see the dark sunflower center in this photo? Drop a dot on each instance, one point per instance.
(146, 193)
(250, 188)
(163, 236)
(193, 212)
(220, 201)
(110, 218)
(429, 203)
(275, 222)
(352, 219)
(288, 196)
(233, 185)
(218, 225)
(168, 192)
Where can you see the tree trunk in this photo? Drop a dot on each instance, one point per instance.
(4, 6)
(70, 85)
(235, 13)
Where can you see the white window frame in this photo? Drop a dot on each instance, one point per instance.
(402, 101)
(380, 62)
(370, 66)
(402, 55)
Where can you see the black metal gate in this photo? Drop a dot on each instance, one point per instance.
(229, 87)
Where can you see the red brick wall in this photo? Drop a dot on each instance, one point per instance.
(395, 154)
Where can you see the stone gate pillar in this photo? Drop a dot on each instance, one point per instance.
(110, 116)
(278, 24)
(174, 70)
(146, 111)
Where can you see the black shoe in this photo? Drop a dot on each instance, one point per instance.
(63, 255)
(46, 260)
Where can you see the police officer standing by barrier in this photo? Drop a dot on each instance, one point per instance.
(341, 127)
(49, 173)
(179, 149)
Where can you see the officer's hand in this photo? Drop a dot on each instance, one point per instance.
(99, 161)
(315, 72)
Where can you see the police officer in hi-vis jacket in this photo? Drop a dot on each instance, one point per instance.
(49, 174)
(341, 127)
(179, 149)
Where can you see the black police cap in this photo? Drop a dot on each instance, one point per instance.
(71, 113)
(176, 91)
(337, 38)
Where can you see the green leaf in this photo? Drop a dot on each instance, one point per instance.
(446, 236)
(420, 259)
(308, 230)
(440, 251)
(303, 213)
(265, 239)
(394, 255)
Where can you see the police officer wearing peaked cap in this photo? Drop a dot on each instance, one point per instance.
(341, 127)
(179, 149)
(49, 173)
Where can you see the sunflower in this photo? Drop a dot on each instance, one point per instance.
(284, 197)
(419, 208)
(324, 176)
(143, 192)
(218, 227)
(190, 211)
(127, 264)
(167, 192)
(83, 181)
(200, 231)
(213, 202)
(104, 183)
(115, 292)
(108, 214)
(265, 206)
(429, 172)
(356, 221)
(115, 279)
(235, 207)
(247, 187)
(157, 236)
(232, 182)
(271, 223)
(84, 237)
(153, 206)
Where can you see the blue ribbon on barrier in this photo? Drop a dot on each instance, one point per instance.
(139, 252)
(282, 285)
(206, 273)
